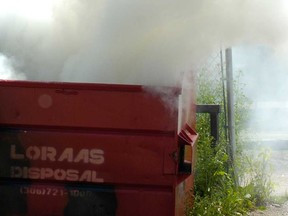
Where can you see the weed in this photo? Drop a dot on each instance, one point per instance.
(215, 191)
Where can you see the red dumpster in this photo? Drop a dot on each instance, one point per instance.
(94, 149)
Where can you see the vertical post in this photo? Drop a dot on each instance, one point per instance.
(224, 96)
(230, 110)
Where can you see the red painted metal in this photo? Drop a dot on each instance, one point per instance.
(94, 149)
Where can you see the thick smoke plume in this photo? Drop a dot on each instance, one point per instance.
(7, 71)
(132, 41)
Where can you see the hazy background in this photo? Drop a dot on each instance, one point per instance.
(265, 75)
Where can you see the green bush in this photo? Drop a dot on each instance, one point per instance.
(215, 191)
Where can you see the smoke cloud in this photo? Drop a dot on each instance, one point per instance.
(7, 71)
(132, 41)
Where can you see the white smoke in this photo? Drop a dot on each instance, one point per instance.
(7, 71)
(135, 41)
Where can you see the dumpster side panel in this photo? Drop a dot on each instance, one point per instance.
(153, 201)
(83, 149)
(63, 200)
(58, 106)
(49, 173)
(86, 157)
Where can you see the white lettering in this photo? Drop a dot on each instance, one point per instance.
(33, 152)
(14, 155)
(86, 175)
(46, 173)
(48, 153)
(60, 174)
(16, 172)
(83, 155)
(72, 175)
(57, 174)
(96, 156)
(34, 173)
(95, 178)
(66, 155)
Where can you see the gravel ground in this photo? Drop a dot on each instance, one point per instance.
(273, 210)
(279, 162)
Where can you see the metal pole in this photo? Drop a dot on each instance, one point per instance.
(230, 109)
(224, 96)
